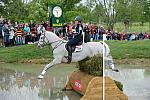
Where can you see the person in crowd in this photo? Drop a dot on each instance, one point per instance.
(141, 36)
(48, 28)
(65, 29)
(40, 30)
(16, 25)
(92, 32)
(6, 34)
(146, 36)
(121, 35)
(101, 32)
(57, 31)
(86, 33)
(114, 35)
(69, 33)
(96, 35)
(33, 34)
(12, 35)
(27, 33)
(45, 24)
(19, 35)
(1, 35)
(109, 35)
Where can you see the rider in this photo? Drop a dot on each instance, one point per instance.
(77, 37)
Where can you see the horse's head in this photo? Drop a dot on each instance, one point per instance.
(42, 40)
(48, 38)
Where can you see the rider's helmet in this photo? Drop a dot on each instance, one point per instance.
(78, 18)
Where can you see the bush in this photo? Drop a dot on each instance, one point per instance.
(92, 66)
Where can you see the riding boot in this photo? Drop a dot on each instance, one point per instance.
(69, 54)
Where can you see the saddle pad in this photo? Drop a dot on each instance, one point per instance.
(78, 48)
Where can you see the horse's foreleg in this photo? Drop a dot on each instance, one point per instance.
(55, 61)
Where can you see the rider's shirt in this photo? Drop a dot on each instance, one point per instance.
(77, 30)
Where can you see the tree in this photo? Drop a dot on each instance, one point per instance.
(104, 11)
(13, 9)
(147, 12)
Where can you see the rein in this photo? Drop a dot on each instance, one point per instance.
(57, 45)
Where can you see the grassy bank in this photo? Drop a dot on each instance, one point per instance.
(130, 49)
(24, 53)
(119, 50)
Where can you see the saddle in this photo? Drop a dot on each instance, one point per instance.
(77, 48)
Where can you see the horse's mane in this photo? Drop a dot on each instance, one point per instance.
(52, 34)
(55, 36)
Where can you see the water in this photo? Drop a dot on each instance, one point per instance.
(135, 80)
(19, 82)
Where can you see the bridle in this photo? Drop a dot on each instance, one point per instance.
(48, 43)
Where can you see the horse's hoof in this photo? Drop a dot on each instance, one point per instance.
(115, 70)
(64, 89)
(40, 77)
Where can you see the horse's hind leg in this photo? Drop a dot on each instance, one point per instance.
(54, 62)
(111, 63)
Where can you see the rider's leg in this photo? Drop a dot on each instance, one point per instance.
(69, 54)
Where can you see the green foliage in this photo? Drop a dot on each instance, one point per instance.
(93, 65)
(100, 11)
(13, 9)
(80, 10)
(147, 10)
(130, 10)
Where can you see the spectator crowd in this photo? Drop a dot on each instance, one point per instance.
(14, 33)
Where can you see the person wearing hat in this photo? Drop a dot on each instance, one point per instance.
(77, 30)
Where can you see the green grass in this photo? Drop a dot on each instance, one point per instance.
(119, 50)
(129, 49)
(24, 52)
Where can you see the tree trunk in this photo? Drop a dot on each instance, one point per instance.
(126, 23)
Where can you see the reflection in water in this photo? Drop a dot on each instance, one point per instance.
(24, 86)
(136, 84)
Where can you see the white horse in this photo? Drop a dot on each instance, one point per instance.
(60, 53)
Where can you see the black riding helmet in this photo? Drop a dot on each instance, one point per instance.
(78, 18)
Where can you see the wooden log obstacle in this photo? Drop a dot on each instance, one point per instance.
(88, 81)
